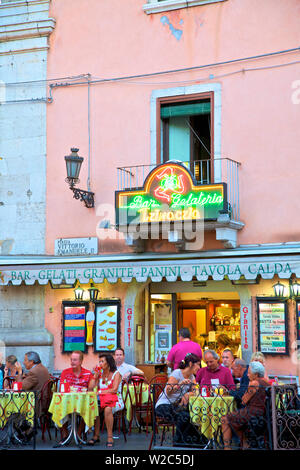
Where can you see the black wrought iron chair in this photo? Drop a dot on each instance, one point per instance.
(45, 399)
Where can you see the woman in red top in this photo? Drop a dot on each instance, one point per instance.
(109, 381)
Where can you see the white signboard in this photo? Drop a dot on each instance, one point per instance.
(76, 246)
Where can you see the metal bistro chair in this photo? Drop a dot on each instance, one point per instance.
(45, 399)
(119, 416)
(8, 382)
(157, 385)
(141, 409)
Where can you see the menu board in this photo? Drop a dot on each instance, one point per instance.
(272, 327)
(107, 326)
(74, 328)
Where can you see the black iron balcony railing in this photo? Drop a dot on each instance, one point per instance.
(218, 170)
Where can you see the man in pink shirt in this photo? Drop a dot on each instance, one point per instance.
(214, 373)
(181, 349)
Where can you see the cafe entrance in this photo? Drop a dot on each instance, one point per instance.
(213, 319)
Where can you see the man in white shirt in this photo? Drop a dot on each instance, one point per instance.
(125, 369)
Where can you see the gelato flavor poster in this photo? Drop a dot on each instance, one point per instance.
(107, 326)
(74, 328)
(272, 327)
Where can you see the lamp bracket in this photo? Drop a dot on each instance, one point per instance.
(86, 196)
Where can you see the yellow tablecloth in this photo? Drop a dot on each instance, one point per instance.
(16, 402)
(206, 413)
(63, 404)
(145, 398)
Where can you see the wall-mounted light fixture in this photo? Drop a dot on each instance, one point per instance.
(294, 289)
(73, 163)
(93, 292)
(78, 292)
(278, 289)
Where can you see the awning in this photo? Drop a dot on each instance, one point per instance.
(142, 268)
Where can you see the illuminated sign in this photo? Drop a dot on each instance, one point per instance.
(170, 194)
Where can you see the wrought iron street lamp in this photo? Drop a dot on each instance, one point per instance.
(73, 164)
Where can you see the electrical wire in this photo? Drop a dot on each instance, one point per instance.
(163, 72)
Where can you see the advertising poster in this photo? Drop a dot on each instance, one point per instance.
(106, 327)
(163, 330)
(74, 328)
(272, 327)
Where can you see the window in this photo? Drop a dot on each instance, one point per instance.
(157, 6)
(207, 125)
(185, 133)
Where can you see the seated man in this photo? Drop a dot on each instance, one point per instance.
(214, 373)
(37, 376)
(240, 371)
(227, 358)
(126, 370)
(33, 380)
(75, 376)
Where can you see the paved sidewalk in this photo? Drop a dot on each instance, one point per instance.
(138, 441)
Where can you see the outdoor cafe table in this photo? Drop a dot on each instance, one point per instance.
(83, 404)
(16, 403)
(207, 412)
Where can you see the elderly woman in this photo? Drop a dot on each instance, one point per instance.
(258, 356)
(254, 405)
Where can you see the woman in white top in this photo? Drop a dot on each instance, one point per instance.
(109, 381)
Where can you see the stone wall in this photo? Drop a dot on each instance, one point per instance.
(25, 27)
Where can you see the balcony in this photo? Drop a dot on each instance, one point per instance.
(218, 170)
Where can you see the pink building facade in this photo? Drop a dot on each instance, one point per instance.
(214, 86)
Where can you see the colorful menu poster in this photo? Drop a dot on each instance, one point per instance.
(272, 327)
(74, 328)
(106, 330)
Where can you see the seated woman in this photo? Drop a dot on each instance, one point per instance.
(254, 405)
(12, 371)
(109, 382)
(172, 404)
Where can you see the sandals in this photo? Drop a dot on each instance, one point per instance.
(93, 441)
(110, 444)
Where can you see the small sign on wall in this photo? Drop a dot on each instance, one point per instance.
(76, 246)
